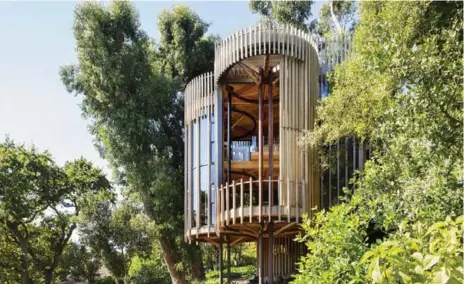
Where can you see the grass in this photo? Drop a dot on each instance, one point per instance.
(240, 272)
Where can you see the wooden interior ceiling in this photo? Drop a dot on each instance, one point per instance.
(243, 79)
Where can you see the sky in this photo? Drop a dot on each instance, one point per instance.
(36, 39)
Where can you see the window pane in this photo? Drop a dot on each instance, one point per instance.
(203, 141)
(194, 144)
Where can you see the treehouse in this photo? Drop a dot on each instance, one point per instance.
(246, 177)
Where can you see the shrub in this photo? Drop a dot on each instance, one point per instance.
(417, 254)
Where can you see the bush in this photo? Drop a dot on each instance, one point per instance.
(416, 254)
(148, 271)
(105, 280)
(336, 242)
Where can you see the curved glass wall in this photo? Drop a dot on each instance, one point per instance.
(201, 168)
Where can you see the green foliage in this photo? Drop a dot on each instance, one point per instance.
(401, 90)
(130, 91)
(420, 254)
(183, 32)
(336, 242)
(247, 272)
(118, 234)
(106, 280)
(10, 259)
(147, 271)
(335, 17)
(295, 13)
(40, 204)
(80, 262)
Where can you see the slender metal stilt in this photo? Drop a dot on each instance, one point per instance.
(220, 262)
(261, 257)
(228, 262)
(270, 251)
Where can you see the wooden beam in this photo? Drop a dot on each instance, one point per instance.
(237, 241)
(237, 81)
(286, 227)
(251, 72)
(266, 63)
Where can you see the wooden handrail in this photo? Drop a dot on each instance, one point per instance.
(290, 202)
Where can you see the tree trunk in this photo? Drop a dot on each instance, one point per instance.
(334, 18)
(48, 276)
(198, 271)
(25, 277)
(177, 277)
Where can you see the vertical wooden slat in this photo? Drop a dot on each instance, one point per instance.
(288, 200)
(269, 199)
(218, 209)
(303, 193)
(198, 189)
(227, 204)
(234, 204)
(223, 211)
(242, 205)
(208, 202)
(251, 200)
(279, 204)
(297, 205)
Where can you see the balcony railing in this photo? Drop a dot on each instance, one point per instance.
(281, 200)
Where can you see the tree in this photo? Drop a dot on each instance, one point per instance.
(400, 90)
(10, 258)
(295, 13)
(39, 203)
(151, 269)
(80, 262)
(118, 234)
(184, 51)
(136, 110)
(336, 17)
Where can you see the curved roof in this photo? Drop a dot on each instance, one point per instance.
(262, 38)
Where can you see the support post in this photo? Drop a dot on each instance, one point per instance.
(260, 142)
(228, 262)
(220, 262)
(270, 252)
(271, 139)
(261, 256)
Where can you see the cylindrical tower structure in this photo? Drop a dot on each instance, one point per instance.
(246, 177)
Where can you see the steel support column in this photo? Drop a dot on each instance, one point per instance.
(228, 262)
(270, 253)
(220, 262)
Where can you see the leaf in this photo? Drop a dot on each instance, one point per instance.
(406, 278)
(460, 219)
(418, 256)
(430, 261)
(376, 276)
(366, 256)
(435, 227)
(441, 276)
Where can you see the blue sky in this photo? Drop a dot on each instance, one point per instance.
(36, 39)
